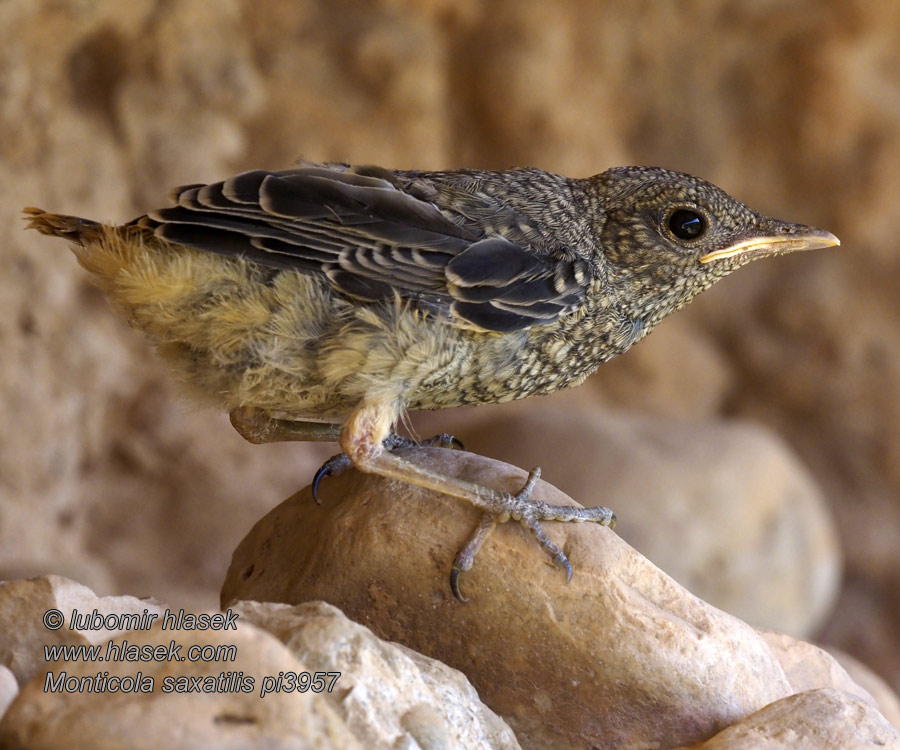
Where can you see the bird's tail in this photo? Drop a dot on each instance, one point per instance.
(71, 228)
(102, 249)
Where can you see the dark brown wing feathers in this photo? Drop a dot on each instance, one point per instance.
(372, 239)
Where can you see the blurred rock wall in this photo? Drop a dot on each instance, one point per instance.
(108, 477)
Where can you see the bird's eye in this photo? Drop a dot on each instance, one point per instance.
(687, 224)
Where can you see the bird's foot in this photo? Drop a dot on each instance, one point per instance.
(520, 507)
(363, 439)
(340, 462)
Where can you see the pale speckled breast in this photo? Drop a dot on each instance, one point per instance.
(491, 368)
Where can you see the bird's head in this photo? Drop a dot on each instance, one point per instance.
(672, 235)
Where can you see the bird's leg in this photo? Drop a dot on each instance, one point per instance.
(361, 439)
(340, 462)
(255, 426)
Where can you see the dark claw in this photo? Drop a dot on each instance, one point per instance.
(331, 468)
(340, 462)
(320, 472)
(568, 567)
(454, 584)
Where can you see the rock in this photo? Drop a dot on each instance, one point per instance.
(863, 623)
(808, 667)
(622, 655)
(215, 711)
(726, 509)
(389, 695)
(23, 605)
(811, 720)
(383, 694)
(887, 700)
(9, 688)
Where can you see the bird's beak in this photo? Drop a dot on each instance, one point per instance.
(775, 238)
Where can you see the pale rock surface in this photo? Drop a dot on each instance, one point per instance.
(724, 508)
(211, 718)
(886, 698)
(808, 667)
(389, 696)
(9, 688)
(23, 604)
(621, 656)
(823, 719)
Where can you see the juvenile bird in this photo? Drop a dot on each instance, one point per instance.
(319, 303)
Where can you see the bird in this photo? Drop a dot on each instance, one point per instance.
(324, 301)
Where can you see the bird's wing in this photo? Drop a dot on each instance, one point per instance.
(372, 238)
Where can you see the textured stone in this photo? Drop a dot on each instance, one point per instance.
(389, 695)
(808, 667)
(24, 603)
(189, 715)
(887, 699)
(620, 655)
(9, 688)
(726, 509)
(810, 720)
(385, 695)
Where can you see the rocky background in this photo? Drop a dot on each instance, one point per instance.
(108, 477)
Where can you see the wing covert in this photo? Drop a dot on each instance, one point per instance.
(373, 239)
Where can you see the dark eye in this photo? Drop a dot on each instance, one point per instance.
(687, 224)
